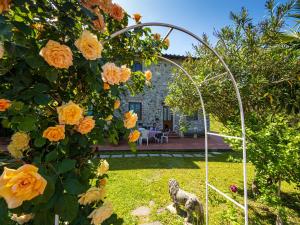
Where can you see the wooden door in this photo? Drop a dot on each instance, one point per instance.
(167, 119)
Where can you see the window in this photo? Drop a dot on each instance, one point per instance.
(137, 67)
(137, 108)
(193, 117)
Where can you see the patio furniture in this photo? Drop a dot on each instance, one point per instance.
(165, 136)
(144, 136)
(155, 135)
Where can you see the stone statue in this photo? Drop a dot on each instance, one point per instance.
(188, 200)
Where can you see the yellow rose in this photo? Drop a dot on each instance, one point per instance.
(148, 75)
(1, 49)
(20, 140)
(106, 86)
(57, 55)
(70, 113)
(86, 125)
(137, 17)
(103, 168)
(20, 185)
(14, 151)
(4, 5)
(102, 213)
(125, 74)
(24, 218)
(117, 104)
(89, 45)
(4, 104)
(111, 74)
(94, 194)
(134, 136)
(56, 133)
(117, 12)
(130, 120)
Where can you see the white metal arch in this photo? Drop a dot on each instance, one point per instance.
(243, 136)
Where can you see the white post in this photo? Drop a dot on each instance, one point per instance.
(56, 220)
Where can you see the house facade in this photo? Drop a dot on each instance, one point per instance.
(150, 106)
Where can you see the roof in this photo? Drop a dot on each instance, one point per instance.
(173, 56)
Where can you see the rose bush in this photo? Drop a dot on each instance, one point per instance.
(61, 77)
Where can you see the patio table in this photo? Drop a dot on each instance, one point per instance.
(152, 133)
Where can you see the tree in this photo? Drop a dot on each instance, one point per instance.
(267, 72)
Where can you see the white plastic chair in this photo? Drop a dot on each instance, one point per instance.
(165, 136)
(144, 136)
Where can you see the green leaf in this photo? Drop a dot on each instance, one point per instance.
(42, 99)
(3, 212)
(23, 27)
(67, 207)
(73, 186)
(66, 165)
(51, 156)
(5, 30)
(28, 124)
(43, 217)
(48, 193)
(51, 74)
(39, 142)
(34, 61)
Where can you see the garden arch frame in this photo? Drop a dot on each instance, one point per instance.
(171, 27)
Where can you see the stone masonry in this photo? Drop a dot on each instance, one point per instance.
(152, 101)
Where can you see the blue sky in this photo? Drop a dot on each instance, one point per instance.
(198, 16)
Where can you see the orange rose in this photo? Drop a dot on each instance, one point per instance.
(148, 75)
(4, 5)
(93, 194)
(167, 42)
(70, 113)
(57, 55)
(103, 182)
(156, 37)
(99, 23)
(117, 104)
(137, 17)
(134, 136)
(105, 5)
(111, 73)
(89, 45)
(125, 74)
(90, 4)
(20, 185)
(86, 125)
(130, 120)
(4, 105)
(102, 213)
(55, 134)
(106, 86)
(117, 12)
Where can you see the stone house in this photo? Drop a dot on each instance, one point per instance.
(150, 105)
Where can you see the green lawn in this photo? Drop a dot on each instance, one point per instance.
(135, 182)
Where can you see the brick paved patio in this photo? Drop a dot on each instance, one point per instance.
(175, 144)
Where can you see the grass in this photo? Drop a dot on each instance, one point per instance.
(134, 182)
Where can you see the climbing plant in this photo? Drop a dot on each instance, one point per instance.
(61, 77)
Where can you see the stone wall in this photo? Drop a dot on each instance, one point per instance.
(153, 100)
